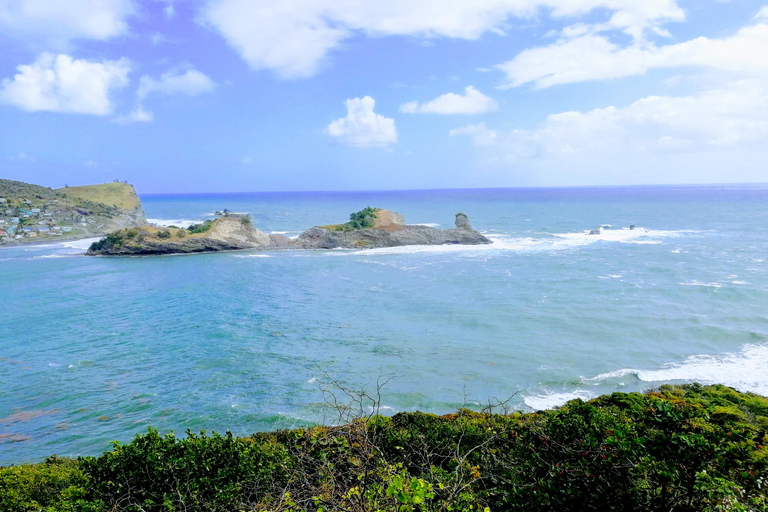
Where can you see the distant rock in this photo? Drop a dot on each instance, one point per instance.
(232, 232)
(462, 221)
(594, 232)
(390, 234)
(228, 233)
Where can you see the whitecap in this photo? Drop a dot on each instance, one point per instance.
(542, 402)
(429, 224)
(83, 244)
(697, 283)
(743, 370)
(253, 256)
(180, 223)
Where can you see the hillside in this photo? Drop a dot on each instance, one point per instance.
(679, 448)
(121, 195)
(32, 213)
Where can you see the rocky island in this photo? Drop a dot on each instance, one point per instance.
(367, 229)
(32, 213)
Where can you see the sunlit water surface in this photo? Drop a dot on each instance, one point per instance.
(97, 349)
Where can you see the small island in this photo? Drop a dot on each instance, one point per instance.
(367, 229)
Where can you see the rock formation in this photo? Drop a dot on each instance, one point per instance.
(236, 232)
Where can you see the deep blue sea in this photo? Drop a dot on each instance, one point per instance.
(97, 349)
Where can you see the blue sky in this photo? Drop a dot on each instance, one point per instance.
(250, 95)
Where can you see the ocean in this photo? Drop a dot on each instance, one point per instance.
(97, 349)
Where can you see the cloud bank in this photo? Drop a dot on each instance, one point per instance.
(57, 22)
(293, 38)
(59, 83)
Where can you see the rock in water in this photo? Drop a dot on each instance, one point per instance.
(462, 222)
(390, 236)
(236, 232)
(229, 233)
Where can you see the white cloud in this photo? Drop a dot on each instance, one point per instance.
(59, 83)
(593, 57)
(191, 83)
(762, 14)
(362, 128)
(481, 135)
(293, 38)
(57, 22)
(656, 139)
(137, 115)
(473, 102)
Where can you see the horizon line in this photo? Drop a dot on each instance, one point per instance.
(459, 189)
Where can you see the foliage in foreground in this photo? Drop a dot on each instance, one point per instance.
(680, 448)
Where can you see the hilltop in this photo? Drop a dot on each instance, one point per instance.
(120, 195)
(33, 213)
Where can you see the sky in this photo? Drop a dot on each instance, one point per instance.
(187, 96)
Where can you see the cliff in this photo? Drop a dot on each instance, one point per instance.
(32, 213)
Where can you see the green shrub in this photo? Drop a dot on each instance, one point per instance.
(678, 448)
(112, 240)
(365, 218)
(200, 228)
(56, 485)
(164, 234)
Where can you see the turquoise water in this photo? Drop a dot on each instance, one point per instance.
(96, 349)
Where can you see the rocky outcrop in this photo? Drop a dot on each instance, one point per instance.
(228, 233)
(233, 232)
(391, 235)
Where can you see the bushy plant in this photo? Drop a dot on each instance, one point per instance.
(200, 228)
(678, 448)
(112, 240)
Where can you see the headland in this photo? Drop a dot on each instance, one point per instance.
(32, 213)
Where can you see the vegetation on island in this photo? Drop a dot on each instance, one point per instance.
(677, 448)
(200, 228)
(365, 218)
(138, 236)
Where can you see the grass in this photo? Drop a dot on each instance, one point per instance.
(121, 195)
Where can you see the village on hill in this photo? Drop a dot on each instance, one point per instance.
(34, 213)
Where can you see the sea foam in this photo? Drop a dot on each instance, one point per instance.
(744, 370)
(179, 223)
